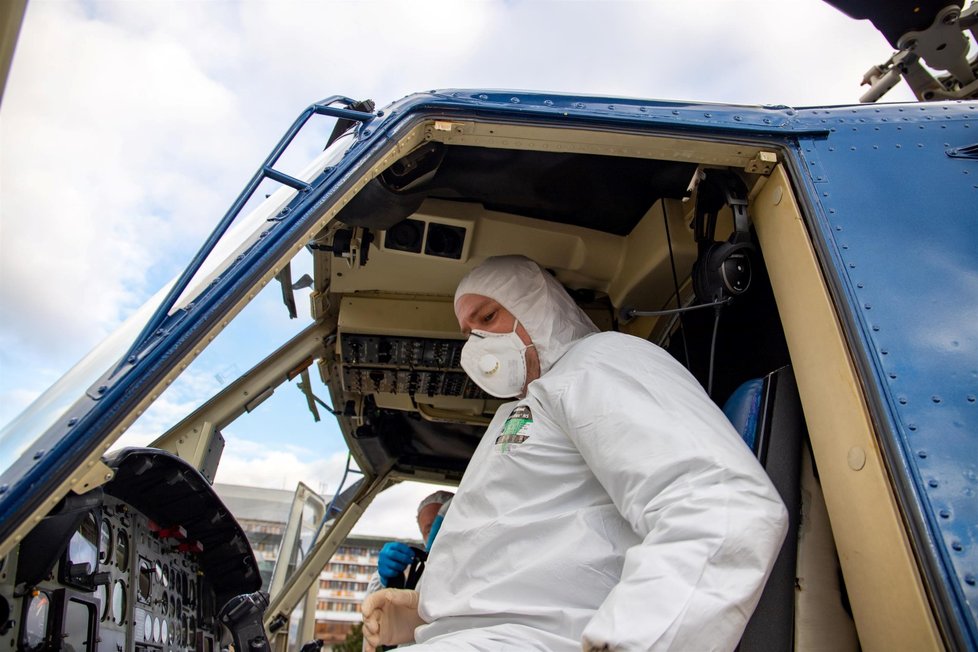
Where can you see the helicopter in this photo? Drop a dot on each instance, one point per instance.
(851, 326)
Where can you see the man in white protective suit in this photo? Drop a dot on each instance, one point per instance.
(611, 507)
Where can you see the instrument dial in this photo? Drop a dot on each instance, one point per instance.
(119, 602)
(122, 550)
(36, 621)
(105, 542)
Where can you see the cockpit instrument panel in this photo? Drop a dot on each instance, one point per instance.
(124, 568)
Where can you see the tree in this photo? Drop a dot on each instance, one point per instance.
(353, 642)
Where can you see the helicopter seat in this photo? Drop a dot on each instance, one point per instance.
(767, 414)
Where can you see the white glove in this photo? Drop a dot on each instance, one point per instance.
(389, 617)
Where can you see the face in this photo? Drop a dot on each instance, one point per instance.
(426, 517)
(476, 312)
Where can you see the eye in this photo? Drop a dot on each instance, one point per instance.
(488, 317)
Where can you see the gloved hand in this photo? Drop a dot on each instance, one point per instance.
(390, 617)
(394, 558)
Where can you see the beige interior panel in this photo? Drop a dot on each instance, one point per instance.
(885, 589)
(579, 141)
(406, 316)
(821, 622)
(644, 278)
(582, 257)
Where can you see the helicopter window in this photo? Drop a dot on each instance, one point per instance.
(266, 206)
(258, 215)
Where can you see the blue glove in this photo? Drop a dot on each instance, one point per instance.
(394, 558)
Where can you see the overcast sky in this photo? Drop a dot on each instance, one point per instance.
(127, 128)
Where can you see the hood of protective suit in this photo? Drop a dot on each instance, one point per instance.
(535, 298)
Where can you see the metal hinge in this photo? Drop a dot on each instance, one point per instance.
(762, 163)
(97, 475)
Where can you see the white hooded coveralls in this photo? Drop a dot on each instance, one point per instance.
(615, 505)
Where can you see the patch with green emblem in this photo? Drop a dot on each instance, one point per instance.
(516, 430)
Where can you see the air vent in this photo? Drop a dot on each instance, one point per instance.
(439, 238)
(406, 235)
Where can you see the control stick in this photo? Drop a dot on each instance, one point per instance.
(242, 615)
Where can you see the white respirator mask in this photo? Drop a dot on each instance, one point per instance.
(496, 362)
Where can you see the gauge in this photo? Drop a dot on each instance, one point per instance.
(148, 627)
(145, 585)
(164, 603)
(83, 547)
(178, 633)
(191, 629)
(122, 550)
(156, 629)
(101, 594)
(119, 602)
(158, 571)
(164, 634)
(173, 605)
(36, 621)
(105, 542)
(79, 622)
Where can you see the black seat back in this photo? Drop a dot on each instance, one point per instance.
(772, 411)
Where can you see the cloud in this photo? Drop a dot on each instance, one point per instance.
(277, 466)
(110, 143)
(259, 464)
(394, 512)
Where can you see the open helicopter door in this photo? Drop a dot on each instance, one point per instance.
(301, 531)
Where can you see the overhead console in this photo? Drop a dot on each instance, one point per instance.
(143, 563)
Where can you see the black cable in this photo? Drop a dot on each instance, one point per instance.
(713, 348)
(322, 403)
(628, 313)
(675, 280)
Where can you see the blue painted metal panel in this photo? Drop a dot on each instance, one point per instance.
(558, 109)
(900, 216)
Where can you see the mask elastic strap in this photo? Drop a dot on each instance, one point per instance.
(516, 322)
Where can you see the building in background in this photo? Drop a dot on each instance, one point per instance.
(343, 586)
(263, 514)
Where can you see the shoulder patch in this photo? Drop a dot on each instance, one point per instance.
(515, 429)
